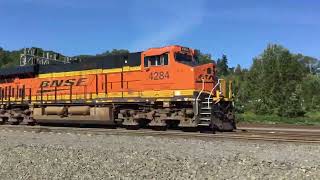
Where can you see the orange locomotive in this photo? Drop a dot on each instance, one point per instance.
(159, 87)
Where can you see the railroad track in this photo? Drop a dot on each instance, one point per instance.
(276, 135)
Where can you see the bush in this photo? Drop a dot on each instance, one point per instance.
(293, 106)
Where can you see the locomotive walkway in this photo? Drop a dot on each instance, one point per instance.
(243, 133)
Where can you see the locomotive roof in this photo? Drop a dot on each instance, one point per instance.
(87, 63)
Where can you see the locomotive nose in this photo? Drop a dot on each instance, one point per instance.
(206, 72)
(205, 76)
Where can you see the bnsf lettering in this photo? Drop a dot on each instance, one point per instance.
(44, 83)
(59, 83)
(56, 83)
(81, 81)
(206, 78)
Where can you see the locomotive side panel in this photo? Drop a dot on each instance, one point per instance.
(63, 88)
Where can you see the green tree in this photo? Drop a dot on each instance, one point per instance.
(292, 107)
(114, 52)
(6, 59)
(311, 92)
(238, 70)
(309, 62)
(204, 58)
(272, 78)
(222, 66)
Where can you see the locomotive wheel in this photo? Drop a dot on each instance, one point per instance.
(159, 128)
(3, 120)
(223, 119)
(31, 123)
(15, 121)
(132, 127)
(190, 129)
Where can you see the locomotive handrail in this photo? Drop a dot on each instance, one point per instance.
(211, 92)
(197, 99)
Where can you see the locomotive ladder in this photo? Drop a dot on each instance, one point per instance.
(206, 107)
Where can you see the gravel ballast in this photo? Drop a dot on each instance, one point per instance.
(27, 155)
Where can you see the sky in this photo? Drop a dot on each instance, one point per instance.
(239, 29)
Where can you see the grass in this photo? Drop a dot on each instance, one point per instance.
(310, 118)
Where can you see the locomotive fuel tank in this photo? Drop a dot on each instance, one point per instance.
(74, 114)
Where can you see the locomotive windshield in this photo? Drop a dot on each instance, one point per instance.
(183, 57)
(186, 59)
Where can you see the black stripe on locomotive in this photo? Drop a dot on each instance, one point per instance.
(96, 62)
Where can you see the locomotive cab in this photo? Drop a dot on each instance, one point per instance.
(177, 69)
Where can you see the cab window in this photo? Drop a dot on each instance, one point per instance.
(160, 60)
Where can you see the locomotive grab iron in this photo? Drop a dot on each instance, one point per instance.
(159, 87)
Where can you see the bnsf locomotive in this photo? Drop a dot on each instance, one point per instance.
(160, 87)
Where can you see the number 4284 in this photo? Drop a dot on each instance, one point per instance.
(159, 75)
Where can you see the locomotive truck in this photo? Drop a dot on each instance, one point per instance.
(160, 87)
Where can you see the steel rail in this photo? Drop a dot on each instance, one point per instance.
(238, 135)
